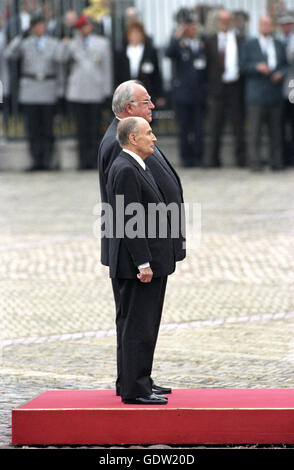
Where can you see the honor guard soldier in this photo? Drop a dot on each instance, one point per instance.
(38, 53)
(89, 85)
(187, 51)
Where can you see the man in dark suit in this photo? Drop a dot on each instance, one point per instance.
(264, 65)
(225, 89)
(140, 264)
(132, 99)
(187, 51)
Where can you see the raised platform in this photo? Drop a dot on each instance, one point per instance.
(205, 416)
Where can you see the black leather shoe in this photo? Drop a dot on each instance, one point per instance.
(148, 400)
(155, 389)
(160, 390)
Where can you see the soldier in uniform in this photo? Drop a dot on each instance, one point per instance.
(89, 84)
(38, 88)
(187, 51)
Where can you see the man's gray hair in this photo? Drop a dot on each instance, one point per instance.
(123, 95)
(126, 127)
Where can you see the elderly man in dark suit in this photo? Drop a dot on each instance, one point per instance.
(264, 64)
(139, 264)
(132, 99)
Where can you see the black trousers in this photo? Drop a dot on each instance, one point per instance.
(288, 133)
(258, 115)
(138, 314)
(88, 122)
(228, 106)
(190, 123)
(39, 128)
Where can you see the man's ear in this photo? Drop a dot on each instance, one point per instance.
(133, 138)
(128, 109)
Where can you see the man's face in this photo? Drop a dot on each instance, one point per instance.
(224, 21)
(39, 29)
(266, 26)
(86, 29)
(287, 28)
(191, 30)
(141, 105)
(145, 140)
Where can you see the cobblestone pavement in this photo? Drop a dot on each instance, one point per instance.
(228, 320)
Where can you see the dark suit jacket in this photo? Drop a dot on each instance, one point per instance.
(189, 72)
(127, 178)
(259, 88)
(149, 71)
(164, 174)
(215, 67)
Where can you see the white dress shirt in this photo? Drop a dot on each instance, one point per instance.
(227, 42)
(141, 162)
(135, 54)
(268, 48)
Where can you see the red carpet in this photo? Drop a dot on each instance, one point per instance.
(205, 416)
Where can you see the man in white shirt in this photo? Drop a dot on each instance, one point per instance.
(264, 66)
(226, 89)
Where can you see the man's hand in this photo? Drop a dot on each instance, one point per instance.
(263, 68)
(180, 31)
(145, 275)
(277, 77)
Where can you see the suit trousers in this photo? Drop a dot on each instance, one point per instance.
(227, 106)
(88, 122)
(271, 115)
(39, 128)
(288, 132)
(190, 122)
(138, 315)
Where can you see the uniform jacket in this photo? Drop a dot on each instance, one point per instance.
(90, 79)
(166, 178)
(38, 82)
(189, 71)
(259, 88)
(149, 72)
(127, 178)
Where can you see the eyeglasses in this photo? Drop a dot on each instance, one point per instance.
(147, 102)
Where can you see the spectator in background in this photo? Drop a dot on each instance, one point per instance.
(89, 84)
(226, 89)
(20, 23)
(4, 75)
(139, 61)
(286, 22)
(187, 51)
(38, 88)
(264, 64)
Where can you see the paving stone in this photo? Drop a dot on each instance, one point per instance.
(228, 319)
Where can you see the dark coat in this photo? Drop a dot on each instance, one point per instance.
(127, 178)
(149, 71)
(164, 174)
(189, 72)
(259, 88)
(215, 68)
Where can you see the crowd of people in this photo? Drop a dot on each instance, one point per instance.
(219, 74)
